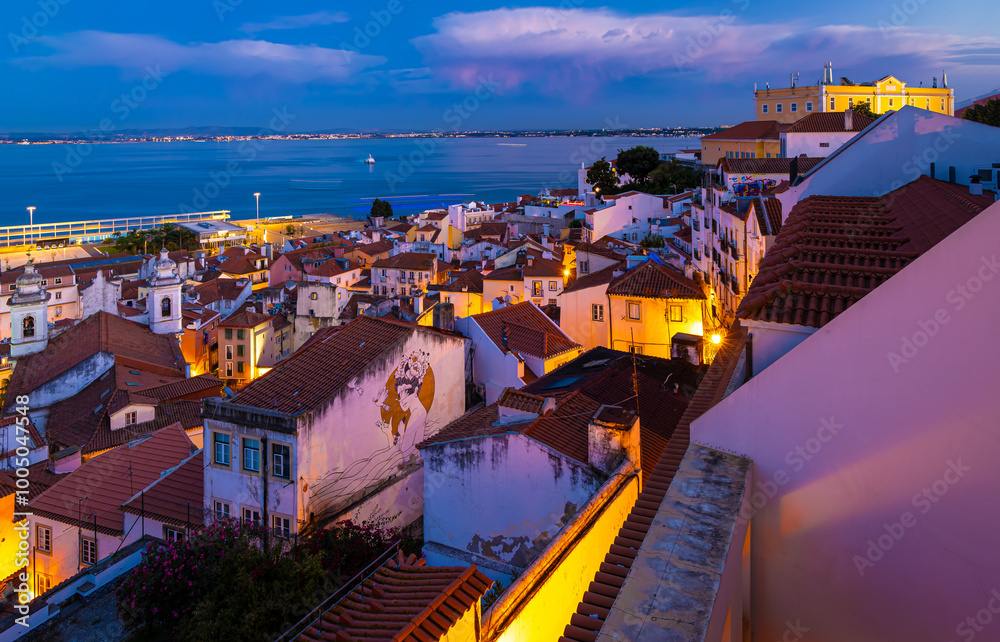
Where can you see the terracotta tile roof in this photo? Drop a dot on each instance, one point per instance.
(478, 423)
(404, 601)
(601, 277)
(40, 479)
(511, 273)
(766, 165)
(409, 261)
(768, 213)
(350, 310)
(108, 480)
(435, 215)
(427, 228)
(518, 400)
(828, 122)
(600, 597)
(319, 370)
(130, 343)
(655, 281)
(833, 250)
(539, 267)
(527, 329)
(184, 387)
(130, 289)
(243, 264)
(684, 234)
(374, 249)
(308, 255)
(750, 130)
(220, 289)
(245, 319)
(176, 497)
(468, 281)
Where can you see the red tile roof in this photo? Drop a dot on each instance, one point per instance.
(833, 250)
(829, 122)
(517, 400)
(435, 215)
(220, 289)
(320, 369)
(768, 213)
(750, 130)
(130, 343)
(176, 497)
(468, 281)
(105, 482)
(40, 479)
(652, 280)
(766, 165)
(409, 261)
(374, 249)
(601, 277)
(243, 264)
(539, 267)
(245, 319)
(527, 330)
(510, 273)
(184, 388)
(404, 601)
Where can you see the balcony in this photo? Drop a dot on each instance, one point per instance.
(734, 252)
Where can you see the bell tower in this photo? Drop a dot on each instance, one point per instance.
(164, 300)
(29, 314)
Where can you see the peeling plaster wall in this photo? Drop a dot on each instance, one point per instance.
(342, 449)
(502, 497)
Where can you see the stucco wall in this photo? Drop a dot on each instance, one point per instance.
(875, 445)
(577, 320)
(504, 497)
(653, 330)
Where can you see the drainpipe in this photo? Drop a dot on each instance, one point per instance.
(611, 321)
(263, 495)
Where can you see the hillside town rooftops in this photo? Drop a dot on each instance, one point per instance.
(655, 281)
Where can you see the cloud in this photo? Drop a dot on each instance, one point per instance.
(579, 50)
(133, 53)
(318, 18)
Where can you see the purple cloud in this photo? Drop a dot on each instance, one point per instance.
(133, 53)
(318, 18)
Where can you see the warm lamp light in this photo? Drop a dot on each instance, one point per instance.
(565, 272)
(716, 338)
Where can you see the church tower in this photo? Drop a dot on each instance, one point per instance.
(29, 314)
(164, 300)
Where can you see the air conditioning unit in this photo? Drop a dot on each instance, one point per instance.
(988, 176)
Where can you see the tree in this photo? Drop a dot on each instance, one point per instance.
(988, 113)
(865, 109)
(602, 177)
(671, 178)
(652, 240)
(381, 208)
(289, 229)
(575, 223)
(638, 162)
(150, 241)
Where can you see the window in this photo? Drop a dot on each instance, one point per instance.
(58, 280)
(824, 144)
(281, 463)
(833, 104)
(239, 366)
(676, 313)
(222, 510)
(809, 105)
(763, 108)
(229, 333)
(890, 102)
(584, 266)
(58, 296)
(942, 104)
(239, 350)
(633, 310)
(229, 369)
(28, 327)
(229, 352)
(447, 298)
(251, 515)
(221, 442)
(634, 349)
(165, 308)
(850, 103)
(552, 286)
(130, 418)
(778, 107)
(173, 534)
(597, 311)
(313, 296)
(794, 107)
(511, 287)
(88, 551)
(282, 526)
(536, 288)
(44, 583)
(240, 334)
(43, 539)
(251, 455)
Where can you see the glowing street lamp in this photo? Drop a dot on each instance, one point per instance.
(716, 339)
(31, 220)
(257, 196)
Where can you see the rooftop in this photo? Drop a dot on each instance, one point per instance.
(830, 122)
(750, 130)
(524, 329)
(655, 281)
(766, 165)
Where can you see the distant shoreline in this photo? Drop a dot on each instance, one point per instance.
(64, 139)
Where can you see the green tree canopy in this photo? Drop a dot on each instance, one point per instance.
(150, 241)
(638, 162)
(671, 178)
(988, 113)
(865, 110)
(601, 176)
(381, 208)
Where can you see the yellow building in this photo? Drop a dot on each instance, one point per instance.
(788, 104)
(752, 139)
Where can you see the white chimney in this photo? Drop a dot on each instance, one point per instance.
(613, 437)
(976, 188)
(848, 120)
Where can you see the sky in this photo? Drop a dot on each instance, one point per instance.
(440, 65)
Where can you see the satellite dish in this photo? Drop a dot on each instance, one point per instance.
(228, 393)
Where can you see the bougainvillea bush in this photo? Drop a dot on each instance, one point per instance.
(224, 583)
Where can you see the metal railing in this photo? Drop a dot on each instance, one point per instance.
(316, 615)
(84, 231)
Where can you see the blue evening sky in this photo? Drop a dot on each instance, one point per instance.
(66, 64)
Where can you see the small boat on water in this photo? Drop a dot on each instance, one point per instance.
(370, 160)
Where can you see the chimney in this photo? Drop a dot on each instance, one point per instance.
(848, 120)
(444, 316)
(418, 303)
(66, 460)
(793, 170)
(612, 437)
(975, 187)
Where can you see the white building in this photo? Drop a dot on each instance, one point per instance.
(164, 299)
(627, 215)
(820, 134)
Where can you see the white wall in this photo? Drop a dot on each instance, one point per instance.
(808, 143)
(875, 445)
(491, 368)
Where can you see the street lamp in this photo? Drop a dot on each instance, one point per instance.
(257, 196)
(31, 219)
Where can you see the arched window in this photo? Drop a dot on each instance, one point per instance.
(165, 308)
(28, 327)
